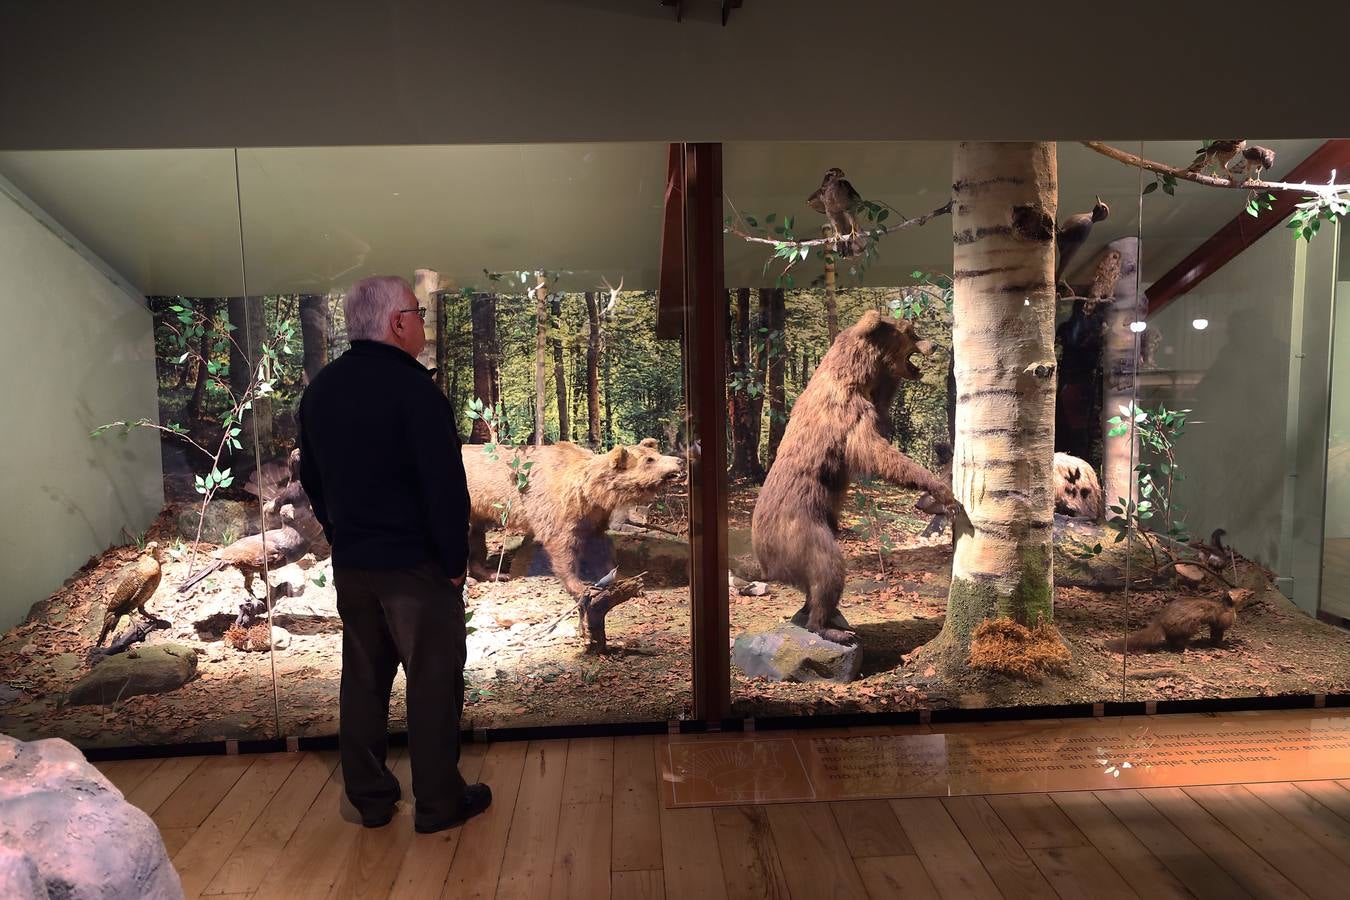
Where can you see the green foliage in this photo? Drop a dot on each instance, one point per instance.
(1309, 214)
(1168, 183)
(320, 580)
(1158, 431)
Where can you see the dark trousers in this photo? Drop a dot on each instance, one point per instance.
(414, 617)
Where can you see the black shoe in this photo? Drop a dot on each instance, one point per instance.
(384, 816)
(477, 798)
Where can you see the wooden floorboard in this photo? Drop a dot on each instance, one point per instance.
(586, 818)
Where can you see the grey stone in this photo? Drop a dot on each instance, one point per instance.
(147, 669)
(9, 693)
(315, 614)
(789, 653)
(281, 638)
(224, 519)
(66, 832)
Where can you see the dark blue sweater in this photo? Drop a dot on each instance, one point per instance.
(380, 461)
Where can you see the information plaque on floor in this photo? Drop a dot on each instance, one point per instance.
(999, 758)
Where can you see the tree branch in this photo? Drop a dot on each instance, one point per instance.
(1138, 162)
(879, 231)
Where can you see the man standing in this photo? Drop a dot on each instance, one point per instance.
(380, 461)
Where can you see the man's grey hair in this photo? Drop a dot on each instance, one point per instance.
(369, 304)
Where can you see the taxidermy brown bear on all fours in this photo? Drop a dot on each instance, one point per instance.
(833, 434)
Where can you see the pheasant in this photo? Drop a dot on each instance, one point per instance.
(273, 548)
(136, 584)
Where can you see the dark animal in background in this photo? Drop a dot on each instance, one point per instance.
(840, 203)
(1077, 491)
(834, 433)
(1215, 554)
(1178, 622)
(273, 548)
(136, 584)
(1073, 233)
(1216, 156)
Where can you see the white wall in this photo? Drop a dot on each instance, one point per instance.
(1338, 466)
(1233, 452)
(76, 351)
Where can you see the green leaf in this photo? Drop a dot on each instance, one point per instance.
(1150, 187)
(768, 220)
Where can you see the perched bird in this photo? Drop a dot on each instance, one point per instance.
(1250, 163)
(136, 584)
(840, 203)
(1216, 155)
(274, 548)
(1070, 236)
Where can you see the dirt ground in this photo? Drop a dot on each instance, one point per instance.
(527, 666)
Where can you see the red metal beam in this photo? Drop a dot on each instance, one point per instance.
(1245, 230)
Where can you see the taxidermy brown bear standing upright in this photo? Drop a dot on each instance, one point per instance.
(834, 433)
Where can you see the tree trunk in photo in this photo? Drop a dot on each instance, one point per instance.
(1120, 362)
(593, 371)
(759, 342)
(197, 404)
(745, 439)
(247, 316)
(831, 301)
(775, 343)
(483, 322)
(1003, 225)
(540, 295)
(314, 333)
(426, 282)
(559, 372)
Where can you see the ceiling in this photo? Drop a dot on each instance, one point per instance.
(316, 219)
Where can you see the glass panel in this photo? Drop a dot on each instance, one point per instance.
(538, 267)
(818, 412)
(118, 319)
(1335, 595)
(1244, 353)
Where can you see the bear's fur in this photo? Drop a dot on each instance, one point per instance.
(833, 434)
(570, 496)
(1077, 492)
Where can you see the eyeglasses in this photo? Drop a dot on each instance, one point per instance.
(420, 310)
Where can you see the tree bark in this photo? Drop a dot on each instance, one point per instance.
(760, 345)
(593, 371)
(314, 333)
(540, 294)
(745, 437)
(247, 316)
(483, 321)
(1120, 362)
(426, 282)
(559, 372)
(831, 302)
(775, 342)
(197, 405)
(1005, 197)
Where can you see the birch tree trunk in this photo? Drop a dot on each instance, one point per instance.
(593, 372)
(540, 294)
(559, 370)
(1003, 235)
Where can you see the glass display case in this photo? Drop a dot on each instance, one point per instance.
(909, 429)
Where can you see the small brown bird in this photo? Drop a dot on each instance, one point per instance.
(840, 203)
(1074, 233)
(136, 584)
(1216, 155)
(274, 548)
(1250, 163)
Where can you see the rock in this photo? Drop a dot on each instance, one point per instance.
(789, 653)
(66, 832)
(147, 669)
(67, 662)
(1192, 574)
(315, 614)
(281, 638)
(9, 693)
(224, 519)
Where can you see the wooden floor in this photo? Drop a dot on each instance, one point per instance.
(581, 818)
